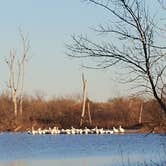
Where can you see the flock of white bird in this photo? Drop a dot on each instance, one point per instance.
(73, 130)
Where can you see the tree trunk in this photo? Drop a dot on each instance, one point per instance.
(15, 104)
(140, 114)
(84, 100)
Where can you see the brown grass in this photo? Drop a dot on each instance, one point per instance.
(64, 112)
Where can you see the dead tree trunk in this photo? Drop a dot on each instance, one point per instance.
(16, 75)
(15, 103)
(140, 114)
(12, 85)
(25, 43)
(85, 102)
(89, 114)
(84, 98)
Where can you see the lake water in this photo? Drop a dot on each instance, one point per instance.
(21, 149)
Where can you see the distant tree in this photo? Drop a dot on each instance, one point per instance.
(16, 74)
(134, 46)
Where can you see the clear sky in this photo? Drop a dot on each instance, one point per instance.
(49, 24)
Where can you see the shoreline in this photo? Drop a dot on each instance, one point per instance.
(127, 131)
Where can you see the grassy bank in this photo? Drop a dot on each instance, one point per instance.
(66, 112)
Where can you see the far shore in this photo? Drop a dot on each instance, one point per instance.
(137, 130)
(131, 113)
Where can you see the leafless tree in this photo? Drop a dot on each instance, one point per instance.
(133, 45)
(16, 74)
(85, 102)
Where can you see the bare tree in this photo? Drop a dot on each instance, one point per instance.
(16, 74)
(13, 87)
(85, 102)
(134, 46)
(25, 49)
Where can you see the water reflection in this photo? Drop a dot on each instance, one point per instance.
(91, 161)
(14, 163)
(115, 150)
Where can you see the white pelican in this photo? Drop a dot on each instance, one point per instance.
(68, 131)
(33, 131)
(121, 129)
(86, 130)
(109, 132)
(39, 131)
(80, 131)
(115, 130)
(101, 131)
(73, 130)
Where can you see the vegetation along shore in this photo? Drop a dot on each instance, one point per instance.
(133, 114)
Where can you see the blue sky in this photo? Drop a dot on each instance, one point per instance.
(49, 25)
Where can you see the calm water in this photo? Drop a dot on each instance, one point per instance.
(21, 149)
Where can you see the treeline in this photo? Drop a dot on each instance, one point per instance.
(65, 112)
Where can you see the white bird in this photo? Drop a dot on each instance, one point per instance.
(78, 131)
(109, 131)
(121, 129)
(101, 131)
(115, 130)
(62, 131)
(33, 131)
(68, 131)
(39, 131)
(86, 130)
(96, 130)
(73, 130)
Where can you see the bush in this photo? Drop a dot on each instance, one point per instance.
(64, 112)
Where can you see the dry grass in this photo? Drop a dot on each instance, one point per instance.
(64, 112)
